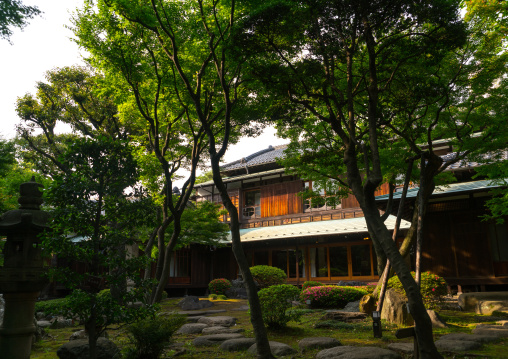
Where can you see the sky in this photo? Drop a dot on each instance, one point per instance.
(45, 44)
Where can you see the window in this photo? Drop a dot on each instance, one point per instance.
(321, 196)
(291, 261)
(338, 262)
(360, 260)
(252, 204)
(180, 263)
(318, 262)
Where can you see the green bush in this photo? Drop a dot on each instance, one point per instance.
(217, 297)
(432, 287)
(150, 336)
(331, 296)
(311, 283)
(53, 306)
(267, 276)
(219, 286)
(276, 305)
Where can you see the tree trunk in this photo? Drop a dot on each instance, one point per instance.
(256, 317)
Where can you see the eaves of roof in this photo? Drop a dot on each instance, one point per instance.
(243, 177)
(311, 229)
(454, 188)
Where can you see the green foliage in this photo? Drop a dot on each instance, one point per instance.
(52, 306)
(151, 335)
(217, 297)
(219, 286)
(14, 14)
(267, 276)
(432, 287)
(331, 296)
(276, 305)
(311, 283)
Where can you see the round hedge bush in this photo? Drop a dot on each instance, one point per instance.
(276, 305)
(311, 283)
(432, 287)
(219, 286)
(267, 276)
(331, 296)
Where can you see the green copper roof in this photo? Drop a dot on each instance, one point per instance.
(332, 227)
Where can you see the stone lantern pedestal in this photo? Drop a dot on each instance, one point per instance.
(22, 276)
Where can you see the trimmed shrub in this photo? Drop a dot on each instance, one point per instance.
(219, 286)
(267, 276)
(53, 306)
(276, 305)
(311, 283)
(217, 297)
(150, 336)
(432, 287)
(331, 296)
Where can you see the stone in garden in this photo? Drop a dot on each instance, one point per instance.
(318, 343)
(193, 303)
(346, 317)
(237, 289)
(469, 337)
(395, 309)
(78, 349)
(242, 308)
(456, 345)
(437, 321)
(60, 323)
(499, 332)
(367, 304)
(178, 348)
(223, 321)
(194, 319)
(236, 345)
(214, 339)
(191, 328)
(349, 352)
(77, 335)
(220, 330)
(278, 349)
(352, 307)
(44, 323)
(406, 348)
(503, 323)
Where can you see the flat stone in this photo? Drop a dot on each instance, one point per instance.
(456, 345)
(193, 303)
(318, 343)
(470, 337)
(191, 328)
(194, 319)
(500, 332)
(352, 307)
(242, 308)
(406, 348)
(503, 323)
(437, 321)
(236, 345)
(44, 323)
(201, 312)
(471, 301)
(346, 317)
(278, 349)
(223, 321)
(78, 349)
(220, 330)
(349, 352)
(60, 323)
(214, 339)
(77, 335)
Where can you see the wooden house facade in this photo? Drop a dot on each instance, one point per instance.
(331, 243)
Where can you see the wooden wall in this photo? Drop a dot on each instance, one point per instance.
(279, 199)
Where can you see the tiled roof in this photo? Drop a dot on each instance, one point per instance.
(451, 188)
(242, 177)
(332, 227)
(463, 164)
(268, 155)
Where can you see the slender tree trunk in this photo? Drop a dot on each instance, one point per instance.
(256, 317)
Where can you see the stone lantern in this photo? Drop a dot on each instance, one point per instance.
(22, 276)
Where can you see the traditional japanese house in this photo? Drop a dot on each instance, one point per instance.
(330, 243)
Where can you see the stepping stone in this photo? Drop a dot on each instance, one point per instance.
(191, 328)
(278, 349)
(494, 330)
(214, 339)
(346, 317)
(479, 338)
(223, 321)
(220, 330)
(349, 352)
(44, 323)
(435, 318)
(242, 308)
(318, 343)
(194, 319)
(406, 348)
(456, 345)
(201, 312)
(192, 303)
(239, 344)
